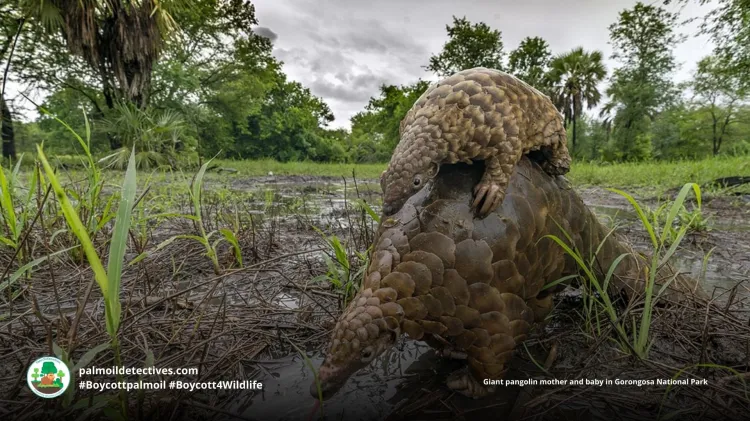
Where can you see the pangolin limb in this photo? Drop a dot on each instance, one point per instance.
(474, 286)
(477, 114)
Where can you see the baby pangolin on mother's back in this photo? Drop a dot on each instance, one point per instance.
(478, 114)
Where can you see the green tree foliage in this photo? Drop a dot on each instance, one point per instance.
(290, 126)
(199, 80)
(213, 87)
(574, 78)
(530, 62)
(375, 131)
(69, 105)
(234, 93)
(593, 135)
(469, 45)
(157, 136)
(718, 89)
(642, 41)
(728, 25)
(685, 131)
(119, 41)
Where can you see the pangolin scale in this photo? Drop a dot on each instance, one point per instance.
(477, 114)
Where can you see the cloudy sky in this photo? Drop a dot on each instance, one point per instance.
(343, 50)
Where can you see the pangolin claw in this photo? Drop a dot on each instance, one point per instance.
(461, 381)
(452, 353)
(492, 193)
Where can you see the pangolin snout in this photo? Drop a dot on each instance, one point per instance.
(327, 390)
(329, 379)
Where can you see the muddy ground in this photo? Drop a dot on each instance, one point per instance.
(252, 322)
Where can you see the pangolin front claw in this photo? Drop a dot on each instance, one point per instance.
(461, 381)
(452, 353)
(493, 195)
(444, 348)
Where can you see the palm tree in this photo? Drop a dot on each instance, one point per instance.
(120, 41)
(574, 77)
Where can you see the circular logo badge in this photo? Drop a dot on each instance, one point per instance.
(48, 377)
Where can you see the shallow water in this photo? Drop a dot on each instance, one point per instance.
(369, 395)
(381, 391)
(717, 275)
(609, 213)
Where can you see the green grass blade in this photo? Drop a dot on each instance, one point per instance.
(80, 140)
(641, 215)
(6, 201)
(119, 241)
(559, 281)
(232, 239)
(89, 356)
(17, 167)
(612, 269)
(76, 226)
(28, 266)
(675, 244)
(8, 242)
(29, 198)
(375, 217)
(677, 205)
(195, 189)
(574, 255)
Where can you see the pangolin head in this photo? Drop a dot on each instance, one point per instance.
(420, 151)
(364, 331)
(403, 179)
(372, 322)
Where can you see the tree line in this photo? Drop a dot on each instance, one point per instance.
(178, 80)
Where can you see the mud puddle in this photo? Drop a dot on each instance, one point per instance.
(384, 391)
(719, 257)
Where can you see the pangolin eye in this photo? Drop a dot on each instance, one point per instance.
(366, 353)
(417, 181)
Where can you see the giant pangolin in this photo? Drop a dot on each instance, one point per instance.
(475, 115)
(473, 287)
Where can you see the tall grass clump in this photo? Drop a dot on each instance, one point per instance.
(665, 240)
(91, 211)
(340, 272)
(204, 237)
(693, 220)
(15, 209)
(343, 272)
(109, 279)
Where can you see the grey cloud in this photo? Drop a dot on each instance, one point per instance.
(350, 86)
(344, 49)
(266, 33)
(316, 61)
(343, 93)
